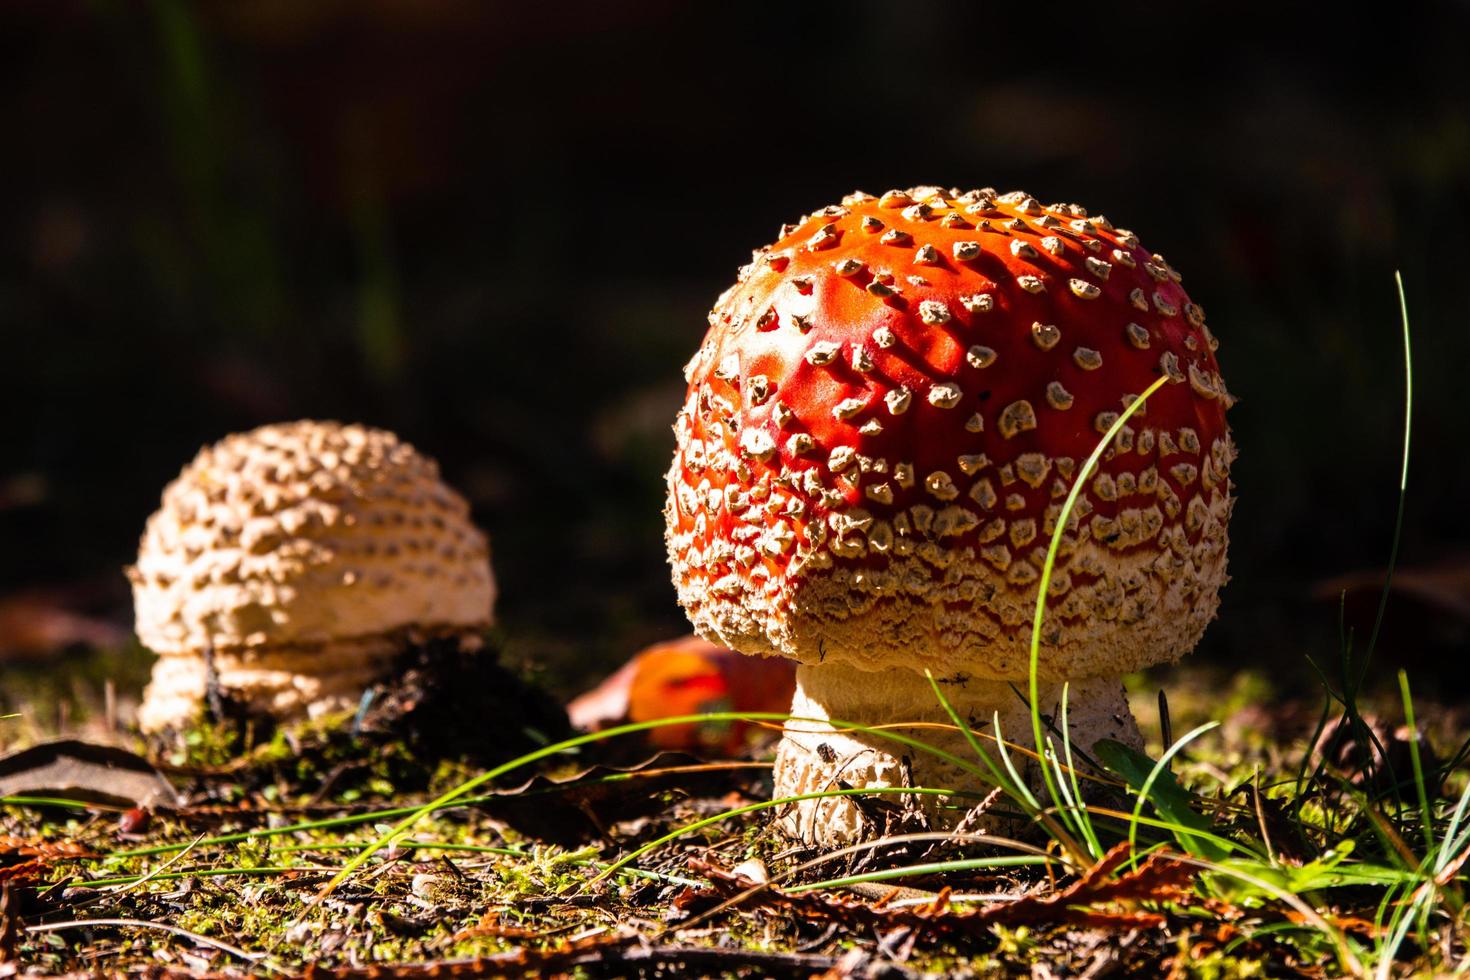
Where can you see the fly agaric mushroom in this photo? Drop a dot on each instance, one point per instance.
(880, 428)
(290, 565)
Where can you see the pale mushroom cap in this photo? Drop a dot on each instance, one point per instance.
(885, 416)
(306, 540)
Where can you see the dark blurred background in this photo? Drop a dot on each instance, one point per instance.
(496, 228)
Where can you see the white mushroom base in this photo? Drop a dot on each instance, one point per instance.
(815, 756)
(283, 684)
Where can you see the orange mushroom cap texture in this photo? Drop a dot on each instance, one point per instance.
(891, 405)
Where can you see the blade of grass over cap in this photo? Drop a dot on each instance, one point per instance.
(1083, 475)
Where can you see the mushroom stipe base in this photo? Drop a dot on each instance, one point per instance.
(438, 700)
(286, 682)
(814, 757)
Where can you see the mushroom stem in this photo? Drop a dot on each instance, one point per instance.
(814, 756)
(287, 682)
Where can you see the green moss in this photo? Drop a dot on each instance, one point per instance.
(419, 902)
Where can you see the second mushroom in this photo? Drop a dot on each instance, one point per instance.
(880, 428)
(290, 567)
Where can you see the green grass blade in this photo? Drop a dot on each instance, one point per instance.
(1154, 783)
(1453, 841)
(53, 801)
(1009, 782)
(1425, 815)
(401, 828)
(1348, 959)
(349, 820)
(1398, 524)
(1001, 779)
(1176, 830)
(990, 841)
(741, 811)
(1084, 819)
(1005, 757)
(1063, 517)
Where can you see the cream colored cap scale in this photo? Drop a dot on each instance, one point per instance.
(297, 545)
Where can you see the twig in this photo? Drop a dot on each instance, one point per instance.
(886, 894)
(616, 956)
(712, 960)
(193, 937)
(119, 889)
(116, 890)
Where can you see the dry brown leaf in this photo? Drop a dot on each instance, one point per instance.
(26, 848)
(86, 771)
(25, 861)
(1157, 879)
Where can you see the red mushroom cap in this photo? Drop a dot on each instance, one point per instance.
(890, 406)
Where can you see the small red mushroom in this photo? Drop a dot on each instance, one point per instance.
(684, 677)
(880, 428)
(134, 822)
